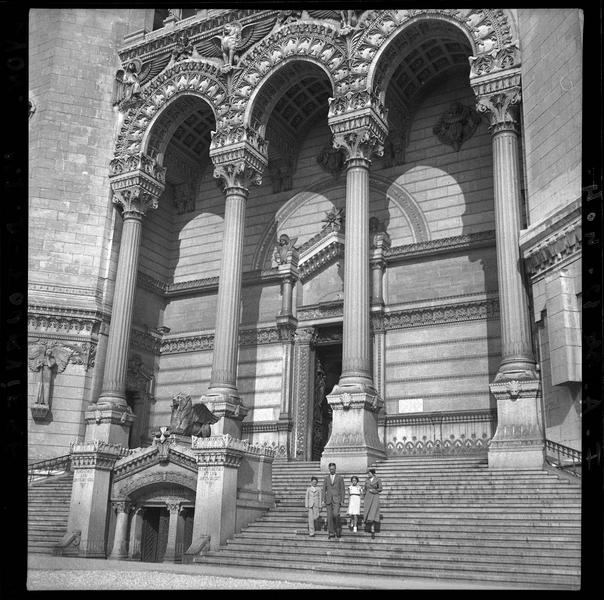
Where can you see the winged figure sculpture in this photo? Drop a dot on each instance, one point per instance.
(233, 42)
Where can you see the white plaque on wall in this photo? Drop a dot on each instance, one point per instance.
(411, 405)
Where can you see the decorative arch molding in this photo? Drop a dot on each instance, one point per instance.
(489, 31)
(393, 191)
(265, 111)
(139, 481)
(195, 77)
(306, 40)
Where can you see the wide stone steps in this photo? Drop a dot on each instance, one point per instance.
(568, 542)
(449, 518)
(48, 511)
(448, 569)
(389, 550)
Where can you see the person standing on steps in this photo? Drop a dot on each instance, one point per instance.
(372, 487)
(354, 502)
(333, 496)
(312, 502)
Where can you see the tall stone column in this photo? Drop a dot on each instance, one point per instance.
(136, 532)
(287, 323)
(136, 182)
(304, 364)
(237, 167)
(120, 539)
(380, 244)
(518, 441)
(354, 442)
(174, 510)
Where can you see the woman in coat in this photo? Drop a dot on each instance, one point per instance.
(372, 487)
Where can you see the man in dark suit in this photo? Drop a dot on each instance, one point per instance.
(333, 496)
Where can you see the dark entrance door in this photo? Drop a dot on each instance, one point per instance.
(154, 535)
(328, 368)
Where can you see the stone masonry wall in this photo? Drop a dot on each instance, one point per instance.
(72, 62)
(551, 107)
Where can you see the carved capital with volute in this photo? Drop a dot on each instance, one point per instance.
(498, 97)
(239, 155)
(358, 121)
(137, 181)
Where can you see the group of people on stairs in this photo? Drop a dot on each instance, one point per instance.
(332, 495)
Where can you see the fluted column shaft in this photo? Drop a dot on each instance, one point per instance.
(170, 554)
(119, 550)
(356, 357)
(136, 530)
(516, 347)
(116, 361)
(226, 337)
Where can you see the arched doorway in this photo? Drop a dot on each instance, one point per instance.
(328, 368)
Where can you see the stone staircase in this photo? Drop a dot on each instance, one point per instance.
(443, 518)
(47, 512)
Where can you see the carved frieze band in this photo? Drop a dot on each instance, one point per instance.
(413, 317)
(74, 331)
(440, 246)
(474, 416)
(436, 315)
(557, 247)
(197, 343)
(266, 426)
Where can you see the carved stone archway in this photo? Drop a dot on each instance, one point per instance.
(306, 40)
(490, 32)
(194, 77)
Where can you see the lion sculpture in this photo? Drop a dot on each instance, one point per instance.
(190, 419)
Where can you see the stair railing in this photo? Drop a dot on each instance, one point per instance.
(49, 467)
(562, 457)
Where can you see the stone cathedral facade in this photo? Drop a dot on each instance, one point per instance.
(349, 235)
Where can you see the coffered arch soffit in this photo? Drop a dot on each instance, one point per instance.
(396, 193)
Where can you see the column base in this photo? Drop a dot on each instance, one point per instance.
(226, 404)
(109, 424)
(354, 444)
(518, 442)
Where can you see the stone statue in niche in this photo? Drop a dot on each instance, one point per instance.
(283, 248)
(457, 125)
(127, 85)
(394, 149)
(331, 160)
(233, 42)
(47, 360)
(183, 48)
(190, 419)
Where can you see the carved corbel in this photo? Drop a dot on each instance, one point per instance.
(137, 181)
(358, 121)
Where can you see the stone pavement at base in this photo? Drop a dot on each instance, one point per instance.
(46, 572)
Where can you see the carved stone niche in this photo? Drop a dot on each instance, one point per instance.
(47, 358)
(457, 125)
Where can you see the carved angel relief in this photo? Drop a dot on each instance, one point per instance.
(457, 125)
(47, 361)
(285, 247)
(233, 43)
(129, 80)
